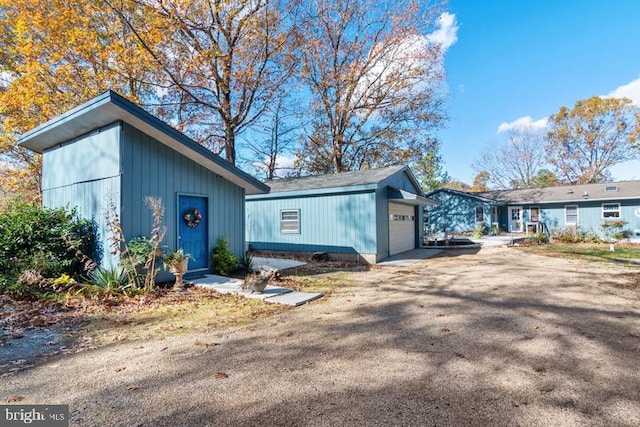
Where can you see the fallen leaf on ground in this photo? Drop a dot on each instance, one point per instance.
(120, 368)
(206, 344)
(15, 398)
(134, 387)
(220, 375)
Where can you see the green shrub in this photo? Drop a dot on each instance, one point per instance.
(478, 232)
(111, 281)
(613, 229)
(223, 261)
(138, 251)
(536, 239)
(591, 237)
(49, 241)
(246, 263)
(570, 234)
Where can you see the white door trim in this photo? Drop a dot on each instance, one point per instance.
(516, 224)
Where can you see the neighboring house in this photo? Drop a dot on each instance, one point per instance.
(109, 150)
(551, 208)
(366, 215)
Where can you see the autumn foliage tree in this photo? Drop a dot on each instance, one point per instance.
(586, 140)
(55, 55)
(221, 60)
(374, 78)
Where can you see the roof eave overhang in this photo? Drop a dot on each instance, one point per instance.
(402, 196)
(315, 192)
(111, 107)
(581, 200)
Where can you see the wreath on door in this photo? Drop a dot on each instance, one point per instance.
(192, 217)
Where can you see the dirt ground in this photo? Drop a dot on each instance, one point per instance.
(496, 337)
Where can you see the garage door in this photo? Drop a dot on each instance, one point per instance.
(402, 228)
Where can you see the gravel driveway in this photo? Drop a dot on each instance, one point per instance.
(492, 338)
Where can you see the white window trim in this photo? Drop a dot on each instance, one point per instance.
(612, 218)
(577, 215)
(531, 216)
(476, 214)
(297, 221)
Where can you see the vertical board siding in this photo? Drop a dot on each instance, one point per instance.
(589, 215)
(88, 158)
(85, 174)
(153, 169)
(402, 181)
(382, 223)
(91, 200)
(344, 223)
(456, 213)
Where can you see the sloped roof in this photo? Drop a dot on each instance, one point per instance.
(335, 180)
(110, 107)
(571, 193)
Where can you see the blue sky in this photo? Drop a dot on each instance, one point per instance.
(517, 61)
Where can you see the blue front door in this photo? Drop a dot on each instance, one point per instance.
(193, 229)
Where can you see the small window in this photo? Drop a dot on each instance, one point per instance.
(611, 188)
(571, 215)
(290, 221)
(611, 210)
(534, 213)
(479, 214)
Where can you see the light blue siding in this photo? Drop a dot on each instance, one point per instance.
(152, 169)
(344, 223)
(91, 200)
(85, 174)
(403, 182)
(87, 158)
(456, 213)
(382, 224)
(590, 217)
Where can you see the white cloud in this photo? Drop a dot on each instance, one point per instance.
(525, 122)
(284, 165)
(447, 32)
(630, 90)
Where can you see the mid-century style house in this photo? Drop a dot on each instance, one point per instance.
(538, 209)
(365, 215)
(110, 150)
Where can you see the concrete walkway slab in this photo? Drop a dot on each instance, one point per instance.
(295, 298)
(224, 285)
(408, 258)
(277, 264)
(269, 292)
(272, 294)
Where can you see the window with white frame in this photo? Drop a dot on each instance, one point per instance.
(479, 214)
(290, 221)
(610, 210)
(534, 214)
(571, 215)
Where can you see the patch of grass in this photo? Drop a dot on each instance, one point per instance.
(324, 282)
(590, 251)
(176, 313)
